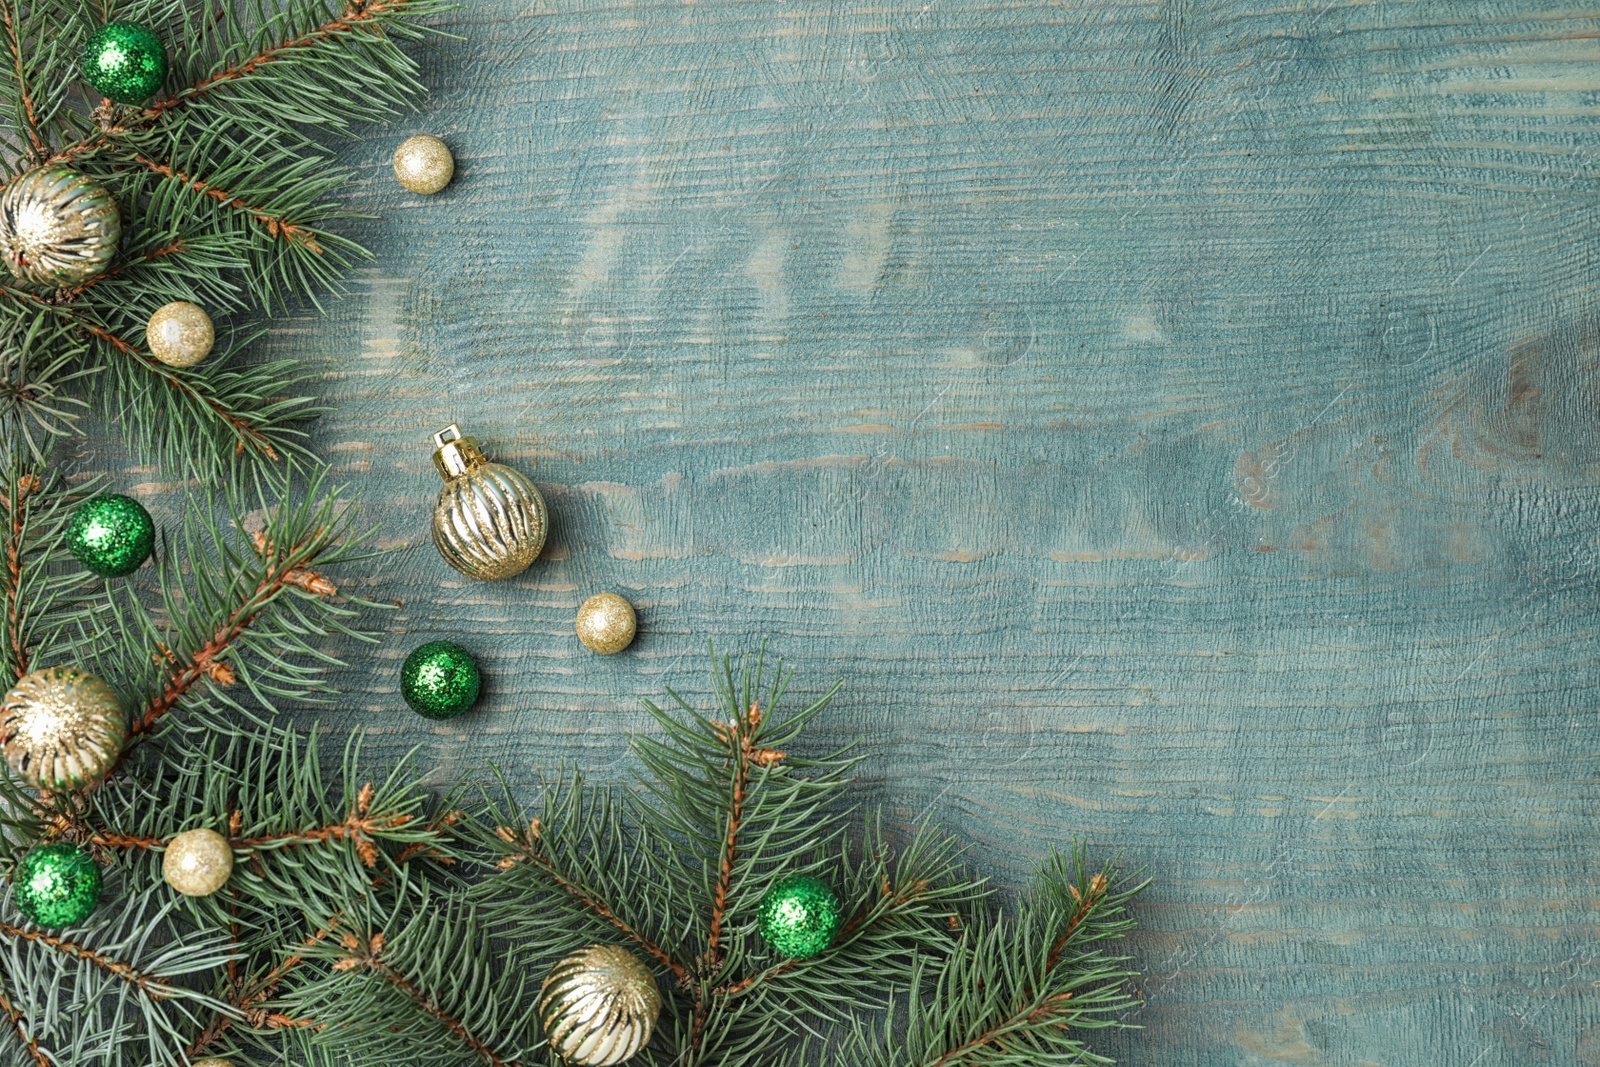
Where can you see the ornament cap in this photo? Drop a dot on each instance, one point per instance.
(454, 454)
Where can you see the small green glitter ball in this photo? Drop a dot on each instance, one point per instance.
(440, 680)
(799, 916)
(111, 534)
(125, 61)
(57, 885)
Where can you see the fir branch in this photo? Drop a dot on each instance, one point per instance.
(529, 850)
(30, 116)
(16, 651)
(370, 956)
(28, 1041)
(154, 988)
(358, 15)
(272, 224)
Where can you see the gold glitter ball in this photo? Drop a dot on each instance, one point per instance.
(606, 623)
(214, 1061)
(598, 1006)
(180, 334)
(61, 728)
(197, 862)
(424, 164)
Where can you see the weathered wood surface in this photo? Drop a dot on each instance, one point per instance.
(1175, 419)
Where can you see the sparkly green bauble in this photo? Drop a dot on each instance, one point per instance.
(799, 916)
(111, 534)
(439, 680)
(57, 884)
(125, 61)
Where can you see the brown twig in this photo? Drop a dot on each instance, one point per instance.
(30, 116)
(246, 1003)
(154, 987)
(18, 652)
(39, 1058)
(370, 955)
(531, 853)
(274, 225)
(355, 16)
(358, 826)
(171, 248)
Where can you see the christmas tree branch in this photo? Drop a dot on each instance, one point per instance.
(246, 1002)
(16, 652)
(358, 15)
(15, 1018)
(369, 956)
(170, 248)
(30, 116)
(273, 224)
(154, 988)
(530, 851)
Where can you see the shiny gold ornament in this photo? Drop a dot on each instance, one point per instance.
(606, 623)
(61, 728)
(599, 1006)
(489, 521)
(424, 164)
(197, 862)
(214, 1061)
(58, 227)
(180, 334)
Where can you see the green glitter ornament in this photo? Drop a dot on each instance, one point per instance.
(57, 885)
(440, 680)
(799, 916)
(111, 534)
(125, 61)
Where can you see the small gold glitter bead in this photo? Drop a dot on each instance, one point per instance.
(180, 334)
(606, 623)
(424, 164)
(214, 1061)
(197, 862)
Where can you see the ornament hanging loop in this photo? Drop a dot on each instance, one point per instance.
(454, 454)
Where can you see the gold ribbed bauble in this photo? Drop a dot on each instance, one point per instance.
(489, 521)
(180, 334)
(423, 164)
(197, 863)
(598, 1006)
(58, 227)
(61, 728)
(606, 623)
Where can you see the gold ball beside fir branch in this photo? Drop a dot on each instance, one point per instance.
(214, 1061)
(58, 227)
(180, 334)
(598, 1006)
(423, 164)
(489, 521)
(197, 863)
(61, 728)
(606, 623)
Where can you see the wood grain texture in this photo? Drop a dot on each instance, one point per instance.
(1177, 420)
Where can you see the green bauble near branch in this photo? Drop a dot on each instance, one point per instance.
(57, 885)
(440, 680)
(111, 534)
(799, 916)
(125, 61)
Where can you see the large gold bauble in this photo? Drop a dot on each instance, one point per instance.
(61, 728)
(180, 334)
(489, 521)
(598, 1006)
(606, 623)
(58, 227)
(197, 863)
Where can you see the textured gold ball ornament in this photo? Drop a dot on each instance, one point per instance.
(598, 1006)
(197, 862)
(606, 623)
(489, 521)
(180, 334)
(214, 1061)
(61, 728)
(58, 227)
(423, 164)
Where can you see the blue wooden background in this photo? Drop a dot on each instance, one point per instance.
(1176, 420)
